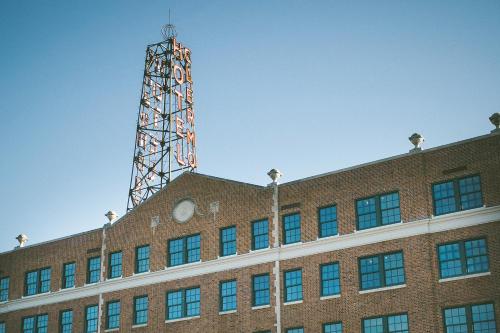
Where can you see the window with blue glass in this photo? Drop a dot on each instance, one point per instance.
(228, 241)
(4, 289)
(115, 265)
(260, 290)
(184, 250)
(332, 328)
(295, 330)
(382, 270)
(36, 324)
(293, 285)
(66, 321)
(291, 228)
(470, 319)
(113, 315)
(141, 304)
(457, 194)
(93, 269)
(2, 328)
(183, 303)
(463, 258)
(142, 259)
(327, 218)
(68, 279)
(386, 324)
(91, 314)
(227, 292)
(378, 210)
(37, 282)
(330, 279)
(260, 234)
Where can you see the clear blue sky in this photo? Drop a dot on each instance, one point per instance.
(304, 86)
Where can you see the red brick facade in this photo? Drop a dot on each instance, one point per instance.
(423, 297)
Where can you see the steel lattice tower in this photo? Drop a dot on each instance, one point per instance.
(165, 140)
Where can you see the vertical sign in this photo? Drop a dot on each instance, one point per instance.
(165, 142)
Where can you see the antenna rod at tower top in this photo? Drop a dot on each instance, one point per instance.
(168, 30)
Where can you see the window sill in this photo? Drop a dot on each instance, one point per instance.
(112, 329)
(329, 297)
(180, 319)
(183, 265)
(291, 244)
(293, 302)
(35, 295)
(467, 276)
(328, 237)
(258, 307)
(227, 312)
(115, 278)
(259, 250)
(457, 212)
(141, 273)
(90, 284)
(228, 256)
(139, 325)
(382, 289)
(378, 227)
(3, 302)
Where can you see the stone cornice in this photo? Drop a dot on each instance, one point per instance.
(457, 220)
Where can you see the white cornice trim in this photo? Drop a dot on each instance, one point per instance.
(457, 220)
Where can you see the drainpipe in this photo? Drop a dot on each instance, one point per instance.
(101, 278)
(111, 216)
(275, 175)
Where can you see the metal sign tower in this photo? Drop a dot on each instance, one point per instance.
(165, 140)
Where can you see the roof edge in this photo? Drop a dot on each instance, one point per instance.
(395, 157)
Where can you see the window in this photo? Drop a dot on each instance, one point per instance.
(227, 241)
(142, 259)
(330, 279)
(463, 258)
(4, 289)
(93, 269)
(386, 324)
(227, 291)
(479, 318)
(327, 218)
(295, 330)
(183, 303)
(66, 321)
(113, 315)
(2, 327)
(184, 250)
(37, 282)
(457, 194)
(291, 228)
(141, 304)
(378, 210)
(68, 279)
(260, 234)
(91, 313)
(293, 285)
(332, 328)
(35, 324)
(382, 270)
(260, 290)
(115, 264)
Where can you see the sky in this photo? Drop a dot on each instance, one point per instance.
(303, 86)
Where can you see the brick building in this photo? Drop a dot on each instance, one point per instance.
(409, 243)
